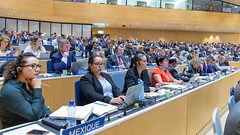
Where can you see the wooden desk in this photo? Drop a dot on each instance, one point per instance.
(237, 64)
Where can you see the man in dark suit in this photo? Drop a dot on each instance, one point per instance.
(191, 55)
(222, 61)
(233, 121)
(129, 50)
(63, 59)
(117, 59)
(110, 50)
(85, 48)
(173, 62)
(150, 58)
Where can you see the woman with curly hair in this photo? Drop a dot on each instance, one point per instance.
(21, 97)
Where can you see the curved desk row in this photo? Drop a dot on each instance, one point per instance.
(184, 114)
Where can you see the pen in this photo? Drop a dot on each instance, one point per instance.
(100, 104)
(45, 85)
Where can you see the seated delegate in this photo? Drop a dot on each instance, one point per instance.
(36, 47)
(5, 47)
(161, 74)
(99, 86)
(193, 68)
(62, 60)
(117, 59)
(138, 71)
(173, 63)
(21, 97)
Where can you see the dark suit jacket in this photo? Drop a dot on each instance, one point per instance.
(175, 74)
(132, 77)
(108, 52)
(91, 88)
(113, 61)
(129, 52)
(225, 63)
(189, 57)
(59, 65)
(149, 61)
(233, 121)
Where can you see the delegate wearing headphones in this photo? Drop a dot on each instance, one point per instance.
(138, 71)
(21, 97)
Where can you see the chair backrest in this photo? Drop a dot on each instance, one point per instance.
(231, 102)
(232, 91)
(217, 127)
(150, 75)
(118, 79)
(49, 66)
(78, 98)
(48, 47)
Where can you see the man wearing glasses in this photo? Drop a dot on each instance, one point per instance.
(62, 60)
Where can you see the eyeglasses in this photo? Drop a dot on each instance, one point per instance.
(98, 64)
(33, 66)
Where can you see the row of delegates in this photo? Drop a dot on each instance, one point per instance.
(5, 47)
(62, 60)
(161, 74)
(138, 71)
(35, 47)
(21, 97)
(97, 85)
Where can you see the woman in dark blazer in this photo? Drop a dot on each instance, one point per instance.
(138, 71)
(98, 86)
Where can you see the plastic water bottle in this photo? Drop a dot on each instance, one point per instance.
(141, 96)
(71, 114)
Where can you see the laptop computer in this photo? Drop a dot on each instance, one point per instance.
(190, 82)
(44, 56)
(79, 66)
(132, 96)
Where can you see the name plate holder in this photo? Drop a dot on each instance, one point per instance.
(5, 58)
(81, 72)
(84, 128)
(151, 66)
(113, 69)
(78, 57)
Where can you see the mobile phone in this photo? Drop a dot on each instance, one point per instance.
(37, 132)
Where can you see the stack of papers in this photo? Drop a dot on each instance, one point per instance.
(174, 87)
(102, 109)
(82, 112)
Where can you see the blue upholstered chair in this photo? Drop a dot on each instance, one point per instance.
(118, 79)
(232, 91)
(217, 127)
(231, 102)
(78, 98)
(49, 66)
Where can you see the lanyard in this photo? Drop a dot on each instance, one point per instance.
(164, 73)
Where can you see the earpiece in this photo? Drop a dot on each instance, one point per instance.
(20, 70)
(138, 63)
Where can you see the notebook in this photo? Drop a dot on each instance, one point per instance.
(82, 112)
(102, 109)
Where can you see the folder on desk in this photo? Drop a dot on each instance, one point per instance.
(82, 113)
(101, 108)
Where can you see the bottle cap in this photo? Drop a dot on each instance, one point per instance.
(71, 102)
